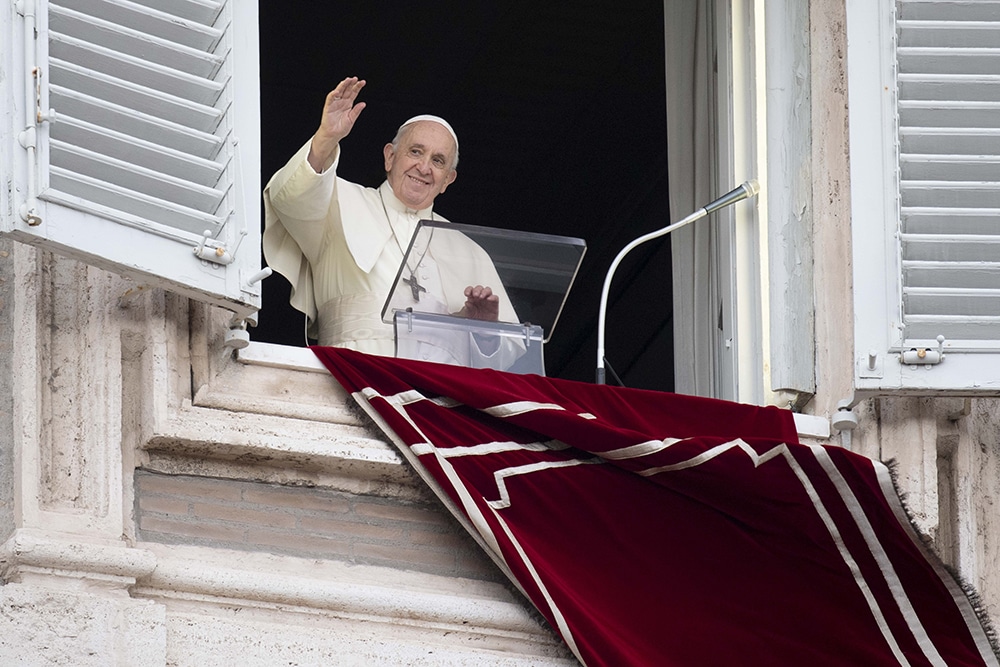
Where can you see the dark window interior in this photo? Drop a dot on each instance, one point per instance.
(560, 111)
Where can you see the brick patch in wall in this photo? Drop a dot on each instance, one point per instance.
(305, 522)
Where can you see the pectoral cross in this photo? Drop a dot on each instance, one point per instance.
(415, 287)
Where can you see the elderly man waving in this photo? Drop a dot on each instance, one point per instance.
(341, 244)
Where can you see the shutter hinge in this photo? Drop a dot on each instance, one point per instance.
(923, 356)
(33, 114)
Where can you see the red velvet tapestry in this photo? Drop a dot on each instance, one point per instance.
(651, 528)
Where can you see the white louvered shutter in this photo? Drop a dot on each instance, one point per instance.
(150, 164)
(931, 203)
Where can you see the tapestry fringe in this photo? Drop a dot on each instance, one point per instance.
(975, 599)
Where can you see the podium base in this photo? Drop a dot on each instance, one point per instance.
(514, 348)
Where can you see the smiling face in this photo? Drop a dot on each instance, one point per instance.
(422, 165)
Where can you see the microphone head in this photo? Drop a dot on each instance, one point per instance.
(742, 191)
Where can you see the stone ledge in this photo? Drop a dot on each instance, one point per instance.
(65, 555)
(190, 578)
(303, 360)
(276, 380)
(273, 414)
(267, 440)
(812, 426)
(281, 356)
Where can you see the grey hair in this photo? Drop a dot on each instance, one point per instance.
(401, 132)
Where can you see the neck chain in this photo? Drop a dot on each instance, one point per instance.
(415, 287)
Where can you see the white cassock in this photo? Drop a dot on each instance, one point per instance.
(340, 245)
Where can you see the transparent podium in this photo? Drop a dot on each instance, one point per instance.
(529, 273)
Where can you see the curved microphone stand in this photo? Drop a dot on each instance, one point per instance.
(748, 189)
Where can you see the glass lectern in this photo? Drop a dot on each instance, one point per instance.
(530, 273)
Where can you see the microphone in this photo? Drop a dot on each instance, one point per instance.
(746, 190)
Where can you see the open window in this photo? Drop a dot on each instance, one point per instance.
(560, 116)
(121, 139)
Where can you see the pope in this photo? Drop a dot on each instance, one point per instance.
(341, 244)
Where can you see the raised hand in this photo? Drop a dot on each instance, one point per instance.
(480, 304)
(339, 114)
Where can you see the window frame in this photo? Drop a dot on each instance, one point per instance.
(727, 362)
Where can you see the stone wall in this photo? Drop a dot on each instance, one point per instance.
(307, 522)
(7, 423)
(945, 454)
(177, 505)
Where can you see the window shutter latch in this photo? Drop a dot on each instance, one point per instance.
(216, 254)
(923, 356)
